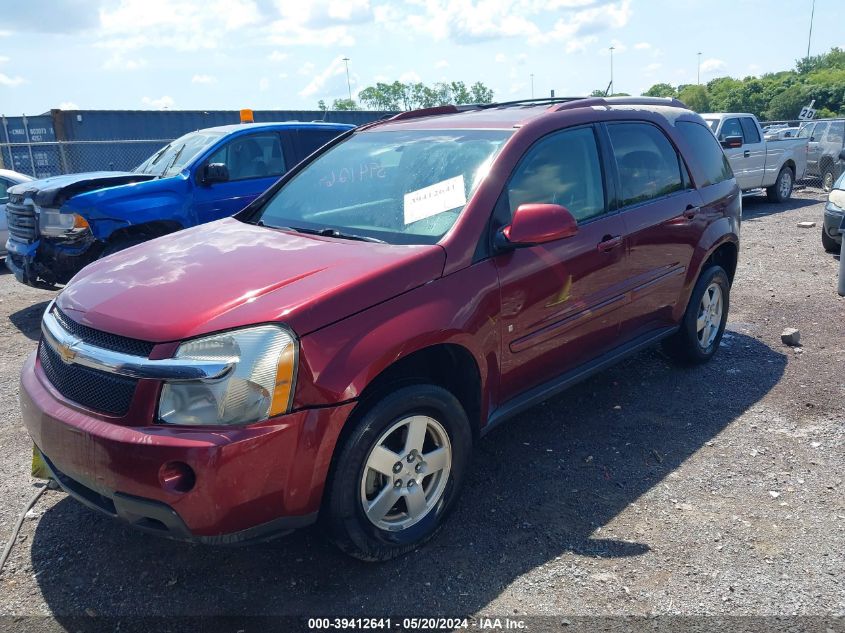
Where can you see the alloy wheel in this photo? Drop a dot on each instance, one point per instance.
(786, 184)
(709, 316)
(406, 473)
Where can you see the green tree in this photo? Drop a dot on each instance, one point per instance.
(413, 95)
(696, 98)
(322, 105)
(661, 90)
(344, 104)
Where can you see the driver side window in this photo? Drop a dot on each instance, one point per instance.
(562, 168)
(4, 194)
(256, 156)
(731, 127)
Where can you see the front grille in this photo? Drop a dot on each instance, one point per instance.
(22, 221)
(105, 340)
(94, 389)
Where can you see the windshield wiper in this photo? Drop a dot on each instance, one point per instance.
(172, 162)
(324, 232)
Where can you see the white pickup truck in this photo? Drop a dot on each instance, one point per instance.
(757, 163)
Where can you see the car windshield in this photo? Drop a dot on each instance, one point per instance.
(713, 123)
(172, 158)
(400, 187)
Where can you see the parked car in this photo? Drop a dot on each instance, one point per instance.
(826, 142)
(8, 178)
(833, 212)
(756, 162)
(59, 225)
(781, 133)
(337, 347)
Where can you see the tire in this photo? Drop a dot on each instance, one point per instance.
(386, 425)
(829, 244)
(781, 191)
(828, 178)
(686, 346)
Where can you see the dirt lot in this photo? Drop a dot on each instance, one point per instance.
(647, 490)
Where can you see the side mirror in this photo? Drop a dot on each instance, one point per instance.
(842, 155)
(537, 224)
(215, 172)
(732, 142)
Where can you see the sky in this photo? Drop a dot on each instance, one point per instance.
(281, 54)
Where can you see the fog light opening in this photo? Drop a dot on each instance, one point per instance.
(176, 477)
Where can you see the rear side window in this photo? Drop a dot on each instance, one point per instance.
(4, 186)
(311, 140)
(649, 166)
(836, 133)
(562, 168)
(749, 130)
(820, 131)
(731, 127)
(806, 131)
(712, 165)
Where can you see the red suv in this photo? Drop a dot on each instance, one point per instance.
(335, 349)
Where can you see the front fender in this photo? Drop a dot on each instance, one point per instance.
(108, 210)
(339, 361)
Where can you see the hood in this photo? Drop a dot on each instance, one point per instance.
(52, 192)
(228, 274)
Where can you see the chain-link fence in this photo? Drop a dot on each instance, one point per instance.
(45, 159)
(825, 140)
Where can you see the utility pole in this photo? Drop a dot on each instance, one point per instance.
(698, 80)
(532, 85)
(810, 36)
(612, 48)
(348, 85)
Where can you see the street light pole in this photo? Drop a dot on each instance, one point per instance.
(532, 85)
(810, 36)
(348, 85)
(612, 48)
(698, 80)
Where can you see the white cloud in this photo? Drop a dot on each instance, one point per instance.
(162, 103)
(68, 105)
(652, 68)
(642, 46)
(283, 75)
(11, 82)
(442, 63)
(119, 61)
(331, 81)
(4, 59)
(712, 65)
(263, 84)
(409, 76)
(203, 79)
(500, 58)
(320, 22)
(306, 69)
(277, 56)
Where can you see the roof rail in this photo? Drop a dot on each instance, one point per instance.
(421, 112)
(538, 101)
(612, 101)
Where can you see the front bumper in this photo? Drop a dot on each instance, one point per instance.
(832, 222)
(44, 262)
(250, 482)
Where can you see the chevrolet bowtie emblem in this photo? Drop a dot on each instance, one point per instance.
(67, 353)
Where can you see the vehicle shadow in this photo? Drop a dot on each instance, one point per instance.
(759, 206)
(28, 320)
(539, 488)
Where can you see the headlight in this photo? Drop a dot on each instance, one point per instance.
(259, 386)
(54, 223)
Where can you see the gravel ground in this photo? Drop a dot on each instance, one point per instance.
(646, 490)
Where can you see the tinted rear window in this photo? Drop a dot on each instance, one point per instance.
(706, 154)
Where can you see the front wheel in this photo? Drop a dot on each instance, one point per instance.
(829, 244)
(398, 473)
(704, 321)
(781, 191)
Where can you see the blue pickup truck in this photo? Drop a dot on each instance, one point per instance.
(59, 225)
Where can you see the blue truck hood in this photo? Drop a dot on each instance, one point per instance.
(53, 192)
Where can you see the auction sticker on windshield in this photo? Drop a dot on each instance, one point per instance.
(437, 198)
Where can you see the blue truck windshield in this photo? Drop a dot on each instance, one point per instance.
(172, 158)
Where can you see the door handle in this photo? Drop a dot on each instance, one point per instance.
(691, 212)
(609, 242)
(747, 153)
